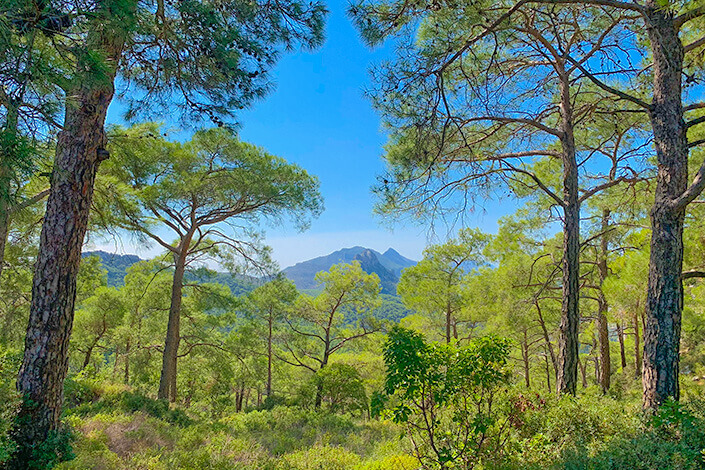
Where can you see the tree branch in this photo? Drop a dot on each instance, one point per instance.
(608, 88)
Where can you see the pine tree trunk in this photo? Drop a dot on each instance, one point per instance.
(126, 377)
(548, 374)
(637, 347)
(4, 233)
(605, 369)
(324, 363)
(570, 316)
(665, 290)
(622, 352)
(547, 339)
(167, 381)
(87, 359)
(582, 367)
(269, 358)
(6, 185)
(78, 155)
(525, 357)
(449, 320)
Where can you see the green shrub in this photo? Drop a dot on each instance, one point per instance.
(9, 398)
(319, 458)
(79, 390)
(131, 402)
(394, 462)
(674, 439)
(601, 433)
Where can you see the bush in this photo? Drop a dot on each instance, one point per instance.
(446, 397)
(600, 433)
(131, 402)
(341, 387)
(319, 458)
(9, 399)
(78, 390)
(674, 439)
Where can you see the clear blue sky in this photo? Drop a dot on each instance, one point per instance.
(318, 117)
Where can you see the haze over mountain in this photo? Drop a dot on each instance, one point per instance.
(387, 266)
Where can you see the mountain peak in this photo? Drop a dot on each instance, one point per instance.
(387, 266)
(370, 263)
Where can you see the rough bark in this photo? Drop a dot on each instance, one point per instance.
(665, 290)
(167, 381)
(567, 378)
(78, 155)
(605, 367)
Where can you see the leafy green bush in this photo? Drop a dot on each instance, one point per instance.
(674, 439)
(446, 397)
(340, 387)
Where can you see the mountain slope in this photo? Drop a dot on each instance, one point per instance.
(392, 260)
(115, 264)
(370, 263)
(387, 266)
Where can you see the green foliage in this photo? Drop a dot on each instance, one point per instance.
(319, 325)
(9, 399)
(437, 285)
(196, 188)
(600, 433)
(319, 458)
(445, 396)
(127, 401)
(56, 448)
(284, 438)
(342, 389)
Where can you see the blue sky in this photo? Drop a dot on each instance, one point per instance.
(318, 117)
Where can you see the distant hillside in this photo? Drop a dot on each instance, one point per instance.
(387, 266)
(115, 264)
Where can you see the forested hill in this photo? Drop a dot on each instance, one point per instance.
(387, 266)
(115, 264)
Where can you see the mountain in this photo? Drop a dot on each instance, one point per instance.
(370, 263)
(115, 264)
(387, 266)
(392, 260)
